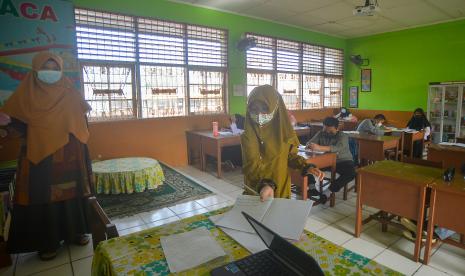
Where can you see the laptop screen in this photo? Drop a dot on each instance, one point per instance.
(266, 235)
(301, 262)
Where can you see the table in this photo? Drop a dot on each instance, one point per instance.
(327, 160)
(450, 156)
(396, 188)
(447, 203)
(127, 175)
(347, 125)
(141, 253)
(203, 143)
(372, 147)
(407, 140)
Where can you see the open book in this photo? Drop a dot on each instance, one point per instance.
(286, 217)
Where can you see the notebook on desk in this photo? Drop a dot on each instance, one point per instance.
(302, 148)
(280, 258)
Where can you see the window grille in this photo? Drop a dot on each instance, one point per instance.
(109, 91)
(307, 76)
(181, 68)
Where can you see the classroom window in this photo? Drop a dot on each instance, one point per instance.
(176, 69)
(307, 76)
(109, 91)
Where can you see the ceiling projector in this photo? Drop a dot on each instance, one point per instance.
(369, 9)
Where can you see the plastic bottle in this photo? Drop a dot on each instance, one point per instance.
(215, 129)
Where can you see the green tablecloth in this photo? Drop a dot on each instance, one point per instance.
(127, 175)
(141, 253)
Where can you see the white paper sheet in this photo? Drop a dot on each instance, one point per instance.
(251, 242)
(304, 149)
(190, 249)
(287, 217)
(351, 132)
(244, 203)
(462, 145)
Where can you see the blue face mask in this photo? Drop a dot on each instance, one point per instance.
(49, 76)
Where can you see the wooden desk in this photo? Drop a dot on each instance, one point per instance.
(372, 147)
(141, 253)
(396, 188)
(407, 140)
(447, 203)
(321, 161)
(461, 139)
(347, 125)
(203, 143)
(450, 156)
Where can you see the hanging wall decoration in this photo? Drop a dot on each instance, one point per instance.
(366, 80)
(353, 97)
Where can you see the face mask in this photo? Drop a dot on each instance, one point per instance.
(261, 119)
(49, 76)
(379, 124)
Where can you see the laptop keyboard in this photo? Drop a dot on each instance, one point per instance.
(261, 263)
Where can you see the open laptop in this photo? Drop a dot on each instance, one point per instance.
(281, 257)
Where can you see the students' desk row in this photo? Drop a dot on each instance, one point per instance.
(450, 156)
(401, 189)
(203, 143)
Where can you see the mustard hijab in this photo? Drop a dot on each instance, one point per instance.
(51, 111)
(269, 150)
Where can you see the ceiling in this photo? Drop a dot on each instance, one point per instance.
(335, 17)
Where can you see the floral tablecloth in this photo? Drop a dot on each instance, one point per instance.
(127, 175)
(141, 253)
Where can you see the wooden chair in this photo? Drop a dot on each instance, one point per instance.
(100, 225)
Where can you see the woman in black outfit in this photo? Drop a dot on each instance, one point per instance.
(419, 122)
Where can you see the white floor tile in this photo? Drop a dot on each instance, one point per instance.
(128, 222)
(155, 215)
(452, 250)
(397, 262)
(30, 263)
(344, 209)
(363, 247)
(236, 193)
(78, 252)
(221, 205)
(406, 247)
(327, 216)
(314, 225)
(334, 235)
(211, 200)
(131, 230)
(449, 263)
(376, 236)
(82, 267)
(347, 225)
(185, 207)
(192, 213)
(162, 222)
(63, 270)
(426, 270)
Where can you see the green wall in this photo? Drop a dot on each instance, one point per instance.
(236, 24)
(404, 62)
